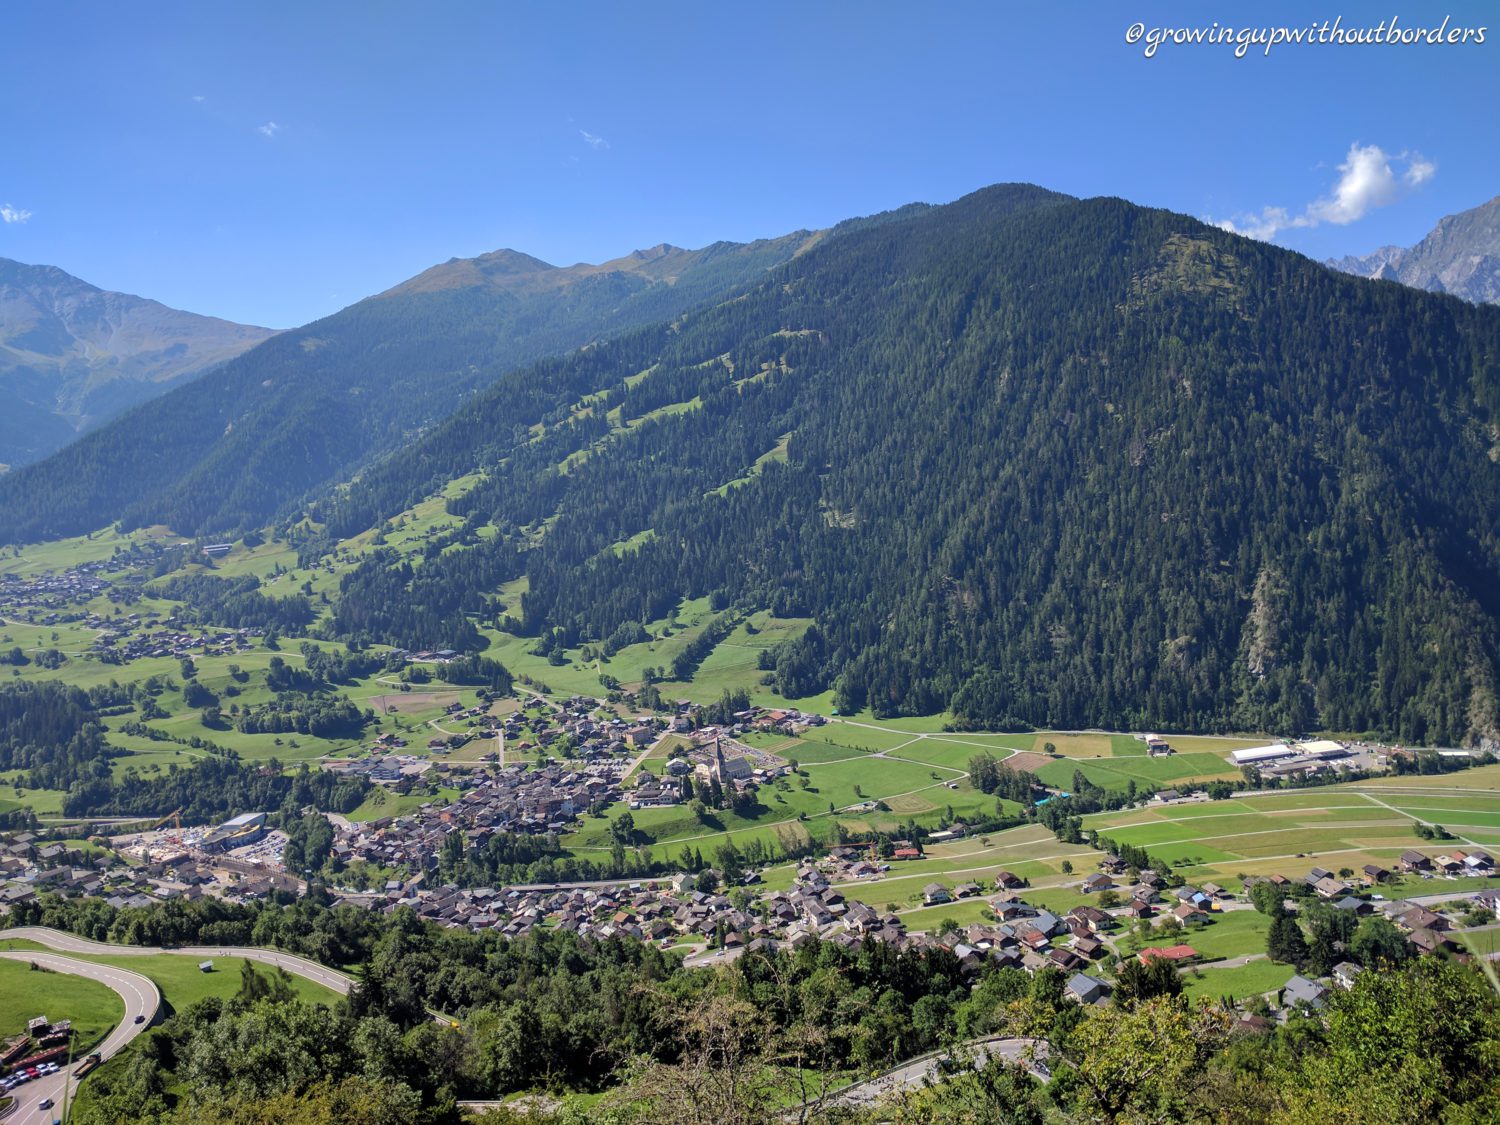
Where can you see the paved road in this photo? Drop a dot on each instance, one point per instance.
(142, 998)
(1227, 963)
(297, 966)
(928, 1068)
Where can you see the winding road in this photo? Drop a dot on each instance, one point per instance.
(141, 998)
(918, 1072)
(62, 942)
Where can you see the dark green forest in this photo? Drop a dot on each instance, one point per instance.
(237, 447)
(1051, 462)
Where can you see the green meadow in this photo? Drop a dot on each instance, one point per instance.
(1240, 982)
(177, 975)
(26, 992)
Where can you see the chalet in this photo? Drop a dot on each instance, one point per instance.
(1330, 888)
(1009, 910)
(1177, 954)
(1186, 912)
(1066, 960)
(1304, 992)
(1097, 882)
(1092, 917)
(934, 894)
(1086, 989)
(1413, 862)
(1345, 973)
(1006, 880)
(1420, 918)
(1136, 908)
(1430, 941)
(1480, 862)
(1373, 875)
(1089, 947)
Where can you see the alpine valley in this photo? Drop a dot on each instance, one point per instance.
(1030, 459)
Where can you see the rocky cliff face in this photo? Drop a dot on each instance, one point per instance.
(1461, 256)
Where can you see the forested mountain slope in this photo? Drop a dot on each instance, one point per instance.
(233, 449)
(1062, 462)
(73, 355)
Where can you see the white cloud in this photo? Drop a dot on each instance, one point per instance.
(199, 98)
(1420, 171)
(593, 141)
(269, 129)
(13, 214)
(1367, 180)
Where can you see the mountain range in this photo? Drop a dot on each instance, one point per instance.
(72, 355)
(312, 405)
(1461, 256)
(1035, 459)
(1029, 458)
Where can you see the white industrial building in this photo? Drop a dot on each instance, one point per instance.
(1324, 748)
(1255, 755)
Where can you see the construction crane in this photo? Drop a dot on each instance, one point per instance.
(175, 816)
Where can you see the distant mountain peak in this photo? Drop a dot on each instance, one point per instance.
(651, 254)
(511, 261)
(1460, 256)
(73, 355)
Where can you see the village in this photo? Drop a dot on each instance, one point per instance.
(1133, 913)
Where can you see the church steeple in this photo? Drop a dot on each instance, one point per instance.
(716, 771)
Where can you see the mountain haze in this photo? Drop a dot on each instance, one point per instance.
(313, 404)
(1461, 256)
(73, 355)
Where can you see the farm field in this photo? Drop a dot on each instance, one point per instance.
(1030, 852)
(1119, 772)
(1287, 833)
(26, 992)
(1480, 778)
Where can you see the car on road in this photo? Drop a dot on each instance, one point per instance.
(45, 1103)
(140, 1019)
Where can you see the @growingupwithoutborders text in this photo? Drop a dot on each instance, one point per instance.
(1387, 33)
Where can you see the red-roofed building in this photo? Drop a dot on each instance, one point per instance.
(1170, 953)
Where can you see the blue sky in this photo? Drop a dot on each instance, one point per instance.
(274, 162)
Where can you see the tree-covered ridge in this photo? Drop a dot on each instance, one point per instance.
(1071, 463)
(232, 450)
(53, 732)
